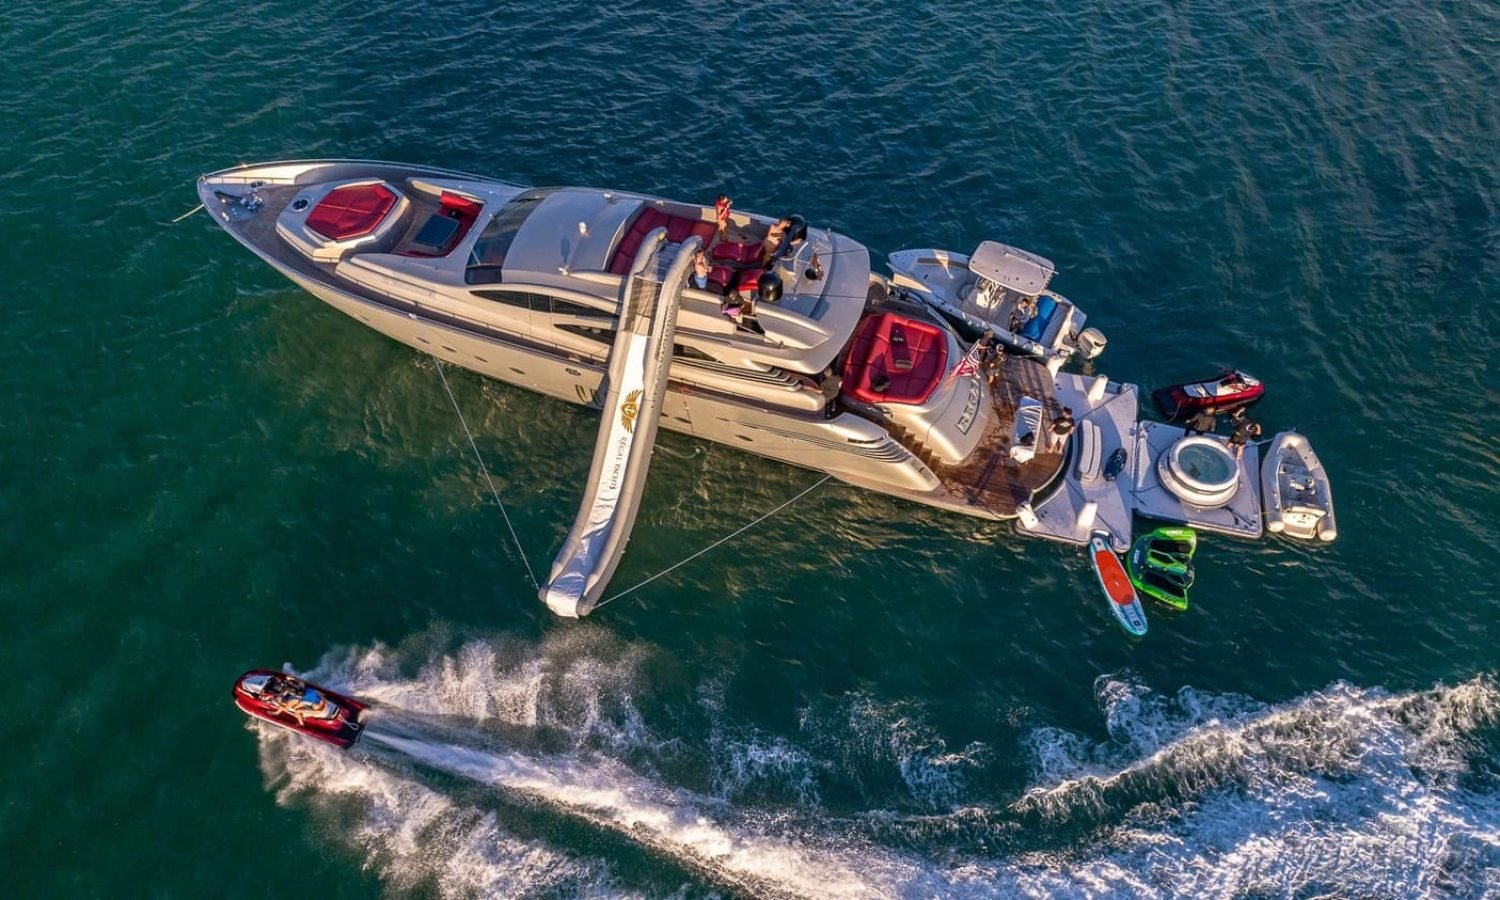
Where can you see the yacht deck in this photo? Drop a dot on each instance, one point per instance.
(989, 478)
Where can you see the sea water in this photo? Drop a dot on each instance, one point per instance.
(206, 470)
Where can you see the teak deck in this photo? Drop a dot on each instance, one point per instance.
(989, 478)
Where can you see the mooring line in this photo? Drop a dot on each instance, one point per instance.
(727, 537)
(482, 468)
(185, 215)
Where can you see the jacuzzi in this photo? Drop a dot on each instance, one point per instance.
(1199, 471)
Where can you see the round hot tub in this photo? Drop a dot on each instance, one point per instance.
(1200, 471)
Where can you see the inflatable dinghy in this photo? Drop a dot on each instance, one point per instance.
(1294, 488)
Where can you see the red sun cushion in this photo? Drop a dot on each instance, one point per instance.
(738, 252)
(873, 353)
(679, 228)
(745, 281)
(463, 206)
(703, 230)
(463, 211)
(351, 211)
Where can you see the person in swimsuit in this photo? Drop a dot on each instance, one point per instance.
(722, 205)
(699, 276)
(774, 238)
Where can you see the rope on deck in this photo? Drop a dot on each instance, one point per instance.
(728, 537)
(482, 468)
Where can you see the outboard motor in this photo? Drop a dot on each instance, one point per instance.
(1091, 342)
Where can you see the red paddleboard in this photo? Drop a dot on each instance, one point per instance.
(1113, 579)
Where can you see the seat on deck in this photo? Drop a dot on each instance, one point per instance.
(1037, 327)
(910, 354)
(1026, 436)
(329, 221)
(445, 228)
(743, 281)
(1090, 451)
(351, 211)
(737, 252)
(679, 229)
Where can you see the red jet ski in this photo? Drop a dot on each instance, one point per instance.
(1230, 390)
(291, 703)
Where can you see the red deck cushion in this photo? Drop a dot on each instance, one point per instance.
(351, 211)
(873, 353)
(742, 253)
(745, 281)
(460, 209)
(679, 228)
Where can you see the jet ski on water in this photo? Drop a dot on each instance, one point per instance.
(1229, 391)
(1161, 565)
(289, 702)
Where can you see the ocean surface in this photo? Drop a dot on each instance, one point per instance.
(206, 470)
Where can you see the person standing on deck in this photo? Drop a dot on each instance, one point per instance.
(1062, 426)
(1246, 430)
(830, 384)
(722, 204)
(991, 358)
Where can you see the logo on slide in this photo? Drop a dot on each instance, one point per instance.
(630, 409)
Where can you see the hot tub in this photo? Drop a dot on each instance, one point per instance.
(1199, 471)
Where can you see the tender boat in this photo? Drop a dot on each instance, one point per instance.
(1002, 289)
(1294, 488)
(1229, 391)
(1161, 564)
(287, 701)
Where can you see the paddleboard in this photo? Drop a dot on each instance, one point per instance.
(1113, 579)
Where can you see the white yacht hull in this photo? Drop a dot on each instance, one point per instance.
(883, 465)
(770, 411)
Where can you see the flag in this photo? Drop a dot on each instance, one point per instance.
(969, 365)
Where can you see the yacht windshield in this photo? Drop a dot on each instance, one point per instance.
(488, 256)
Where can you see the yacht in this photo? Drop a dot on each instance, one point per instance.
(530, 285)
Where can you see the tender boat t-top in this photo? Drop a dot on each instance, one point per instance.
(287, 701)
(768, 335)
(1001, 289)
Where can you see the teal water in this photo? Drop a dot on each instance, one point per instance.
(206, 470)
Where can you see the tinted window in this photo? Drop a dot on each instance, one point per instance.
(518, 299)
(568, 308)
(487, 259)
(601, 335)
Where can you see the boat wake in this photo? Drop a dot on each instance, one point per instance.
(555, 771)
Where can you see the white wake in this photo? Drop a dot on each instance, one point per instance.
(1344, 792)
